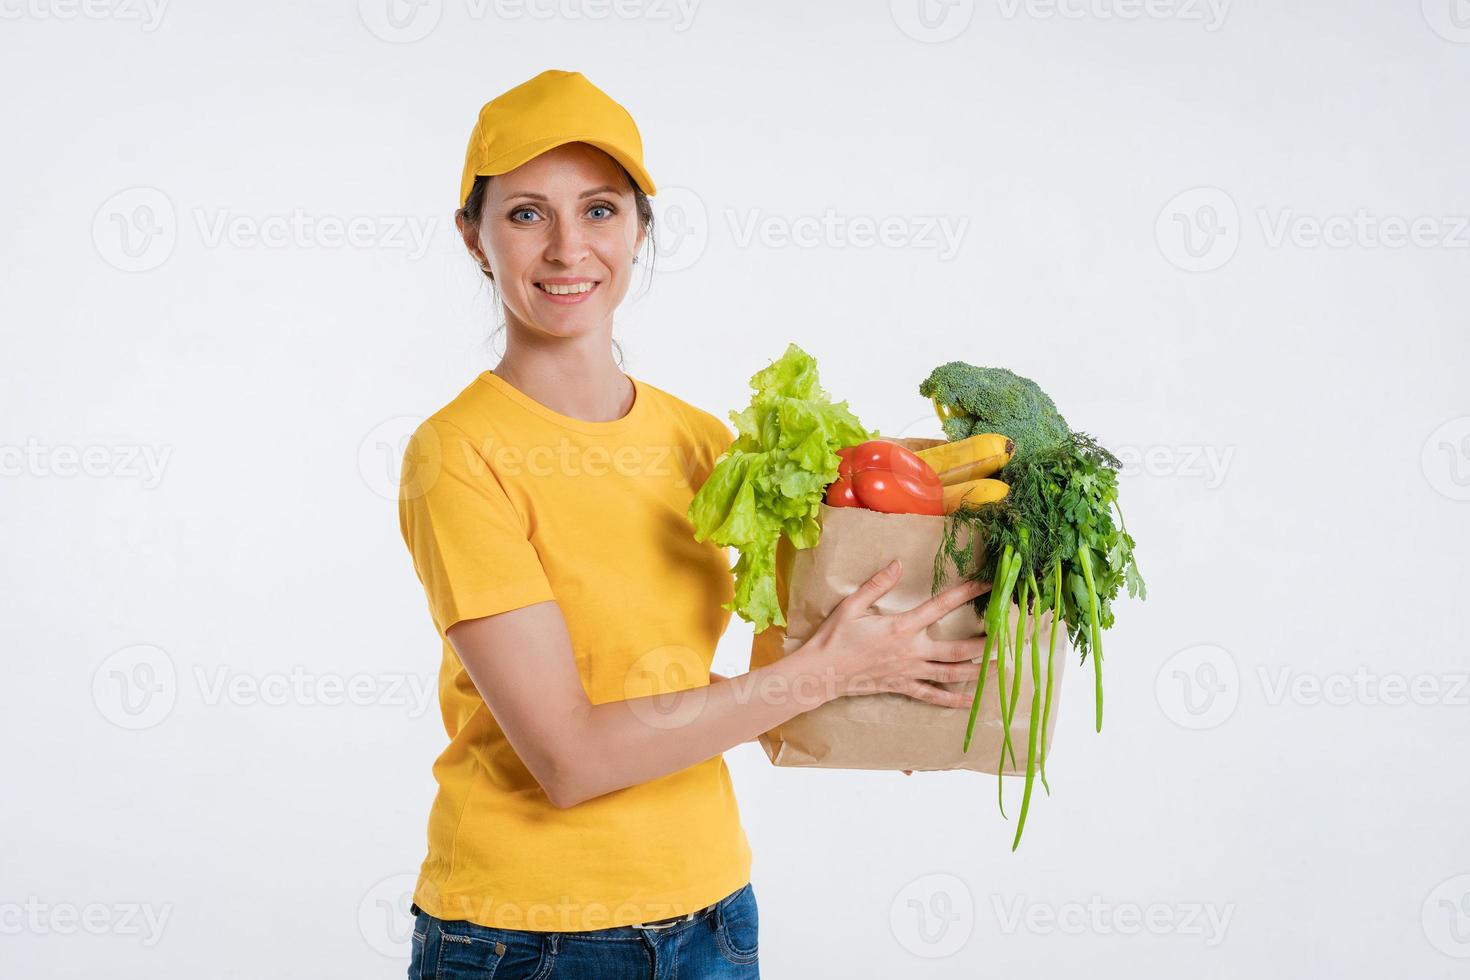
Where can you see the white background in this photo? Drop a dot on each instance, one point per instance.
(1229, 240)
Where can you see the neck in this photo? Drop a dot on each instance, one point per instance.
(574, 376)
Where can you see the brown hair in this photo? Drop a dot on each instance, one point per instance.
(474, 207)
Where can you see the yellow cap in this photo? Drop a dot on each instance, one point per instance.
(554, 108)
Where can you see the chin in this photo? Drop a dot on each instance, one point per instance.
(572, 323)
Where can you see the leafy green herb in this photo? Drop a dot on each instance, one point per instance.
(1054, 533)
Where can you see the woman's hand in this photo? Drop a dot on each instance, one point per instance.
(867, 652)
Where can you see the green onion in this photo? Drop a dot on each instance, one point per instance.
(1084, 558)
(1036, 722)
(1056, 622)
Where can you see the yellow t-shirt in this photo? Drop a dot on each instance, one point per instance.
(504, 503)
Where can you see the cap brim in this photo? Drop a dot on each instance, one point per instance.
(511, 159)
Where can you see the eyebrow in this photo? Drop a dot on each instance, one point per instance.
(604, 189)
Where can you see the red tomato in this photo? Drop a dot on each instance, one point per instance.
(893, 493)
(840, 494)
(879, 454)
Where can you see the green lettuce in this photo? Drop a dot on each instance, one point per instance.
(773, 477)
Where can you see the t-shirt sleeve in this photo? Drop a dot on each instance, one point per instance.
(713, 438)
(468, 542)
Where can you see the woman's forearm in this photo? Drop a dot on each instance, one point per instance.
(624, 743)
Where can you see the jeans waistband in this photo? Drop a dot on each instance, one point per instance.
(666, 923)
(656, 924)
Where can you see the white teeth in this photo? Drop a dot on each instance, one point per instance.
(559, 290)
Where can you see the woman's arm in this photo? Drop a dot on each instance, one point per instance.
(521, 662)
(715, 678)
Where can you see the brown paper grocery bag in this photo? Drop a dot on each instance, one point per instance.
(892, 731)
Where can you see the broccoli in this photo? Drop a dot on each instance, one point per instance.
(970, 400)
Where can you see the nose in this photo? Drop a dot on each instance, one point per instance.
(566, 243)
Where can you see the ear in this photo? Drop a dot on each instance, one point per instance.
(471, 235)
(642, 236)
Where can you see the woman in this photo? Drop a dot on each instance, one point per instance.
(585, 823)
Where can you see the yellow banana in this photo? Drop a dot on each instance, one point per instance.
(973, 493)
(974, 458)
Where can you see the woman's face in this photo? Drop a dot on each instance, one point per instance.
(559, 234)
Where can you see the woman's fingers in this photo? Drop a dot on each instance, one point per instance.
(934, 609)
(879, 583)
(932, 694)
(949, 673)
(970, 648)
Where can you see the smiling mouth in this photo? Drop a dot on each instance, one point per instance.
(566, 289)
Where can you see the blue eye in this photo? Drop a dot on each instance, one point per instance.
(601, 207)
(518, 211)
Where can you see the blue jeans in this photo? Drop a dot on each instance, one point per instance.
(717, 944)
